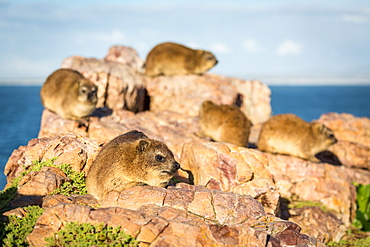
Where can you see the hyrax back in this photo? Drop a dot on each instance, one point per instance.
(224, 123)
(67, 93)
(291, 135)
(175, 59)
(128, 160)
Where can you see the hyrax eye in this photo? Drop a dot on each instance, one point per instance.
(160, 158)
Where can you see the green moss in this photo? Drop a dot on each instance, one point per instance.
(14, 233)
(301, 204)
(86, 234)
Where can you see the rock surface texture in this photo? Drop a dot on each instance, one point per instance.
(185, 215)
(236, 190)
(122, 85)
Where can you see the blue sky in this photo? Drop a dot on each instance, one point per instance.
(291, 41)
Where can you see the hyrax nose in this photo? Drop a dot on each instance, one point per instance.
(176, 165)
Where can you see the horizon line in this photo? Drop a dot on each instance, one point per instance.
(274, 81)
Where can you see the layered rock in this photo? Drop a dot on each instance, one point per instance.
(329, 183)
(325, 226)
(314, 182)
(242, 170)
(122, 85)
(219, 165)
(353, 133)
(71, 149)
(182, 216)
(228, 167)
(185, 94)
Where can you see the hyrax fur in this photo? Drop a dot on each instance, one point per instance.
(175, 59)
(224, 123)
(128, 160)
(291, 135)
(67, 93)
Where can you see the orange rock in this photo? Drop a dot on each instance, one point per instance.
(185, 94)
(43, 182)
(311, 181)
(353, 134)
(234, 222)
(71, 149)
(122, 85)
(231, 168)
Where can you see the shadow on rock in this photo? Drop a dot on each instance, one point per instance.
(102, 112)
(329, 157)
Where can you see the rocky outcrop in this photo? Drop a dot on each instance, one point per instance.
(237, 189)
(231, 168)
(185, 215)
(243, 170)
(122, 85)
(70, 149)
(185, 94)
(217, 166)
(329, 183)
(325, 226)
(353, 133)
(314, 182)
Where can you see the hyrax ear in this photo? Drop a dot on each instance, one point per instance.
(200, 53)
(142, 145)
(317, 127)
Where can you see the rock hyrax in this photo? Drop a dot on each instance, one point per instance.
(291, 135)
(67, 93)
(175, 59)
(224, 123)
(128, 160)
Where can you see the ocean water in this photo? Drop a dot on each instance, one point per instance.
(22, 109)
(310, 102)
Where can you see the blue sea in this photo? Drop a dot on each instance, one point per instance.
(21, 110)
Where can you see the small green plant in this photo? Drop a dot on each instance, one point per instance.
(363, 242)
(9, 194)
(6, 196)
(15, 232)
(35, 167)
(76, 186)
(74, 234)
(362, 220)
